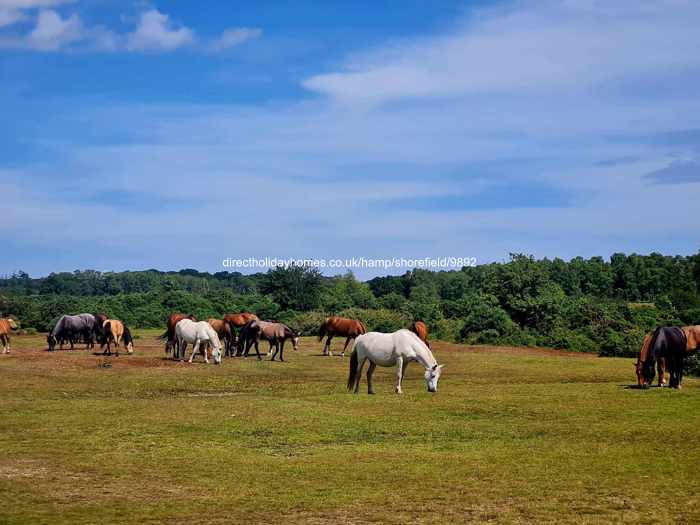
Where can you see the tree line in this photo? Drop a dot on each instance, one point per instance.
(592, 305)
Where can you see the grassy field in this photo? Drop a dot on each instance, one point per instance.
(512, 436)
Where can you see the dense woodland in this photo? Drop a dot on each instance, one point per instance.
(591, 305)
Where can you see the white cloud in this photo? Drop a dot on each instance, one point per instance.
(13, 11)
(155, 32)
(325, 167)
(235, 36)
(528, 46)
(53, 32)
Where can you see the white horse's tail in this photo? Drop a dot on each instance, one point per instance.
(354, 361)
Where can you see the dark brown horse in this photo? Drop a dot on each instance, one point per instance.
(419, 328)
(274, 333)
(340, 326)
(639, 365)
(672, 344)
(100, 333)
(169, 334)
(236, 322)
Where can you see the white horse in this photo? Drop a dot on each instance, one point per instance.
(197, 333)
(398, 348)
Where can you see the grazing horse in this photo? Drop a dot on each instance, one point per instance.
(116, 332)
(398, 348)
(672, 344)
(222, 329)
(169, 334)
(419, 328)
(274, 333)
(70, 327)
(6, 326)
(100, 334)
(201, 335)
(236, 321)
(341, 326)
(643, 381)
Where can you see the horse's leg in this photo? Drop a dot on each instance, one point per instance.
(195, 349)
(327, 348)
(661, 368)
(347, 341)
(370, 371)
(206, 349)
(5, 348)
(358, 374)
(257, 349)
(399, 374)
(281, 347)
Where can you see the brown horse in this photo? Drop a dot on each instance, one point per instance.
(169, 334)
(115, 332)
(639, 365)
(7, 325)
(419, 328)
(340, 326)
(222, 329)
(274, 333)
(236, 321)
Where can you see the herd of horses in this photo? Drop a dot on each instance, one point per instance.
(663, 351)
(88, 329)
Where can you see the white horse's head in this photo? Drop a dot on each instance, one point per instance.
(432, 376)
(295, 342)
(216, 354)
(129, 348)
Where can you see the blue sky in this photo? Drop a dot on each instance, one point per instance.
(175, 134)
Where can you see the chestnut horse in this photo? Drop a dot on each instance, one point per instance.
(222, 329)
(340, 326)
(235, 321)
(673, 344)
(169, 334)
(6, 327)
(419, 328)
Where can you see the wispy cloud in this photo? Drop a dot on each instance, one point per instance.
(526, 46)
(678, 172)
(235, 36)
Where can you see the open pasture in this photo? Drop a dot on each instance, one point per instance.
(512, 436)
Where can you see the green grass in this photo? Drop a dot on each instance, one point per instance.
(511, 437)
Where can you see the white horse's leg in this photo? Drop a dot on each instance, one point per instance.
(399, 374)
(195, 349)
(370, 371)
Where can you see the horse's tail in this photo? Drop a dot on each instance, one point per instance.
(648, 366)
(362, 325)
(322, 330)
(352, 376)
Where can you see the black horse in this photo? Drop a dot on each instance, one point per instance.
(668, 343)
